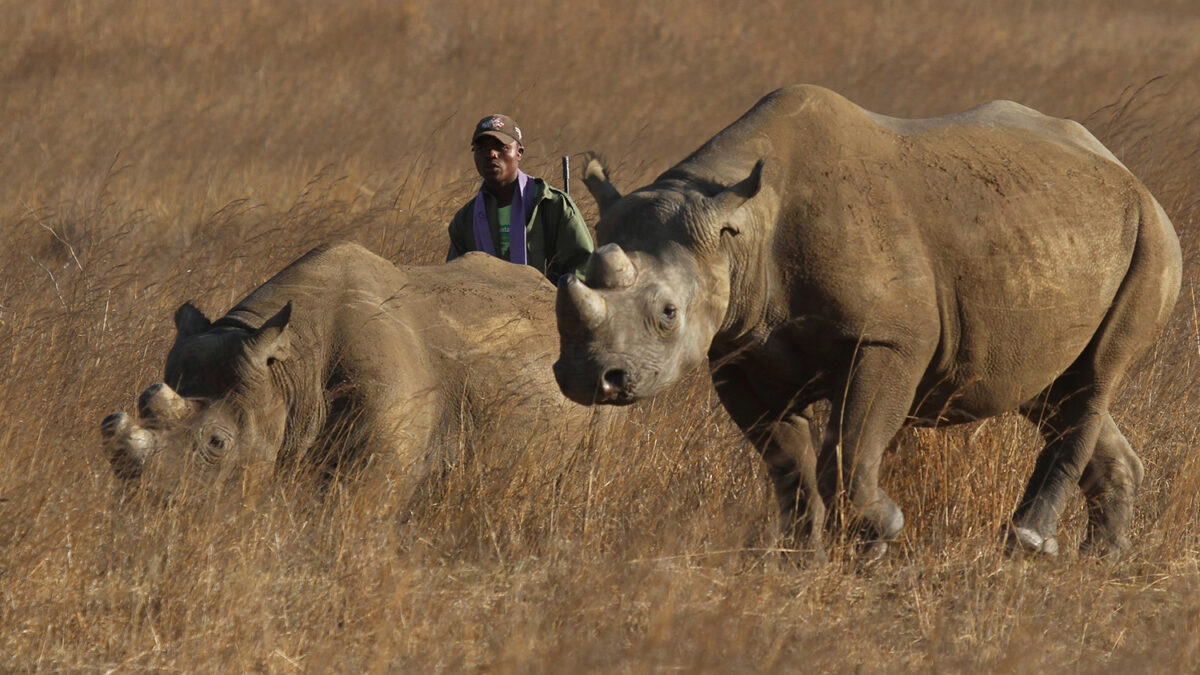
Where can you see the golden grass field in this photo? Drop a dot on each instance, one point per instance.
(152, 153)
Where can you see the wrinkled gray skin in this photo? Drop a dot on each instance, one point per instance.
(928, 272)
(344, 359)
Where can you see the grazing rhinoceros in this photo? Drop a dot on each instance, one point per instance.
(928, 271)
(343, 358)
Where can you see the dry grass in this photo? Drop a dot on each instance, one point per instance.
(152, 153)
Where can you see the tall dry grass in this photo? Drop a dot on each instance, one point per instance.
(152, 153)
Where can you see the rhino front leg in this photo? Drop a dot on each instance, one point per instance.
(792, 464)
(785, 443)
(879, 391)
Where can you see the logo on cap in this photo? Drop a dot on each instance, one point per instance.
(501, 125)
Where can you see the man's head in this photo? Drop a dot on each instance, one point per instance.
(496, 144)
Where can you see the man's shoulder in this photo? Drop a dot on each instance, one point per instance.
(550, 193)
(464, 212)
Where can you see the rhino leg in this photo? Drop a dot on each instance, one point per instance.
(1110, 481)
(878, 395)
(1084, 446)
(1070, 418)
(792, 465)
(785, 443)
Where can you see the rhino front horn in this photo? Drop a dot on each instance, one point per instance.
(609, 267)
(579, 306)
(128, 444)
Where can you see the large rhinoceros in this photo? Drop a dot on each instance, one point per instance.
(929, 271)
(343, 358)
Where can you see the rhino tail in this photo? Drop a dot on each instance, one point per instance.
(595, 178)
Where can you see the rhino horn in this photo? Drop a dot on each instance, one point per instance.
(128, 444)
(732, 197)
(579, 306)
(609, 267)
(160, 403)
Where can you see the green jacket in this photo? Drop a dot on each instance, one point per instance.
(556, 239)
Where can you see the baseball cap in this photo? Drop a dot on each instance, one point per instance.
(500, 126)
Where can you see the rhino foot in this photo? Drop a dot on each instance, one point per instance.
(871, 552)
(881, 520)
(1023, 540)
(1105, 546)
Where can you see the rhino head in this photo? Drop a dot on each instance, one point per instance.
(655, 296)
(218, 413)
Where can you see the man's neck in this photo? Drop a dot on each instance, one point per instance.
(502, 193)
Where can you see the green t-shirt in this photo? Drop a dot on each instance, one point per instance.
(504, 215)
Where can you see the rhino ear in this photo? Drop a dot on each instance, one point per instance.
(733, 197)
(595, 178)
(271, 342)
(190, 321)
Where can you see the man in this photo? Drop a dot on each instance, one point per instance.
(514, 216)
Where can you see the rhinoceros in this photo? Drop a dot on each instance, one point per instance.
(921, 271)
(344, 359)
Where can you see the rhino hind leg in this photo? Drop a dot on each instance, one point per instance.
(1109, 482)
(1084, 447)
(1069, 417)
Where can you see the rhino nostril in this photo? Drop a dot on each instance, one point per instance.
(614, 381)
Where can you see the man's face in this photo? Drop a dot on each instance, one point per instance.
(496, 161)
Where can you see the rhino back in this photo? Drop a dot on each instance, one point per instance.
(495, 320)
(498, 323)
(999, 235)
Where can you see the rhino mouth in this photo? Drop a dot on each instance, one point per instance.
(594, 384)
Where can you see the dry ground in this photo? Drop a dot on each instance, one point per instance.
(152, 153)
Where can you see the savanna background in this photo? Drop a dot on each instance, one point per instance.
(152, 153)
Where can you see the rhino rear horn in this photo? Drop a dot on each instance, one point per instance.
(159, 404)
(190, 321)
(732, 197)
(578, 307)
(609, 267)
(271, 341)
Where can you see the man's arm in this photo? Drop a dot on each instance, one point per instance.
(459, 243)
(573, 243)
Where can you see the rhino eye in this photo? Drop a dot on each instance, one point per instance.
(213, 445)
(667, 317)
